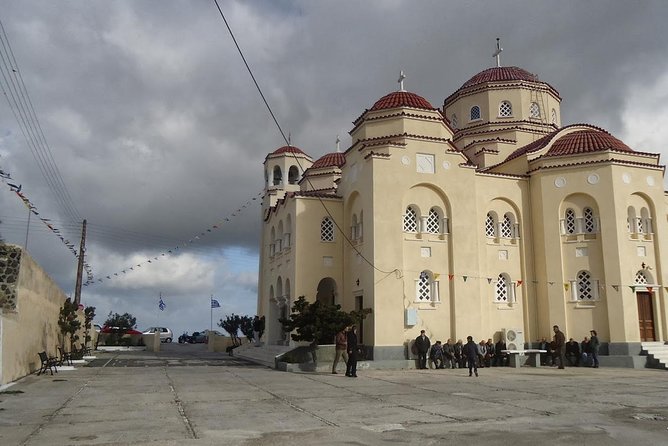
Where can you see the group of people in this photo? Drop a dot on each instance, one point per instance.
(460, 355)
(346, 348)
(560, 352)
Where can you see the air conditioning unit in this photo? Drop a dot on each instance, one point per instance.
(514, 338)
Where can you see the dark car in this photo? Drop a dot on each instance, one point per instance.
(198, 337)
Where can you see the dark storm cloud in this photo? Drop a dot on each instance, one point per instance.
(159, 132)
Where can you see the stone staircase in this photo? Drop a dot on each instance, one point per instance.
(657, 354)
(264, 354)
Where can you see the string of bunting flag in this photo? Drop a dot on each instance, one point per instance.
(566, 285)
(183, 245)
(17, 189)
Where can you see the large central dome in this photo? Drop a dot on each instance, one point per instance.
(501, 74)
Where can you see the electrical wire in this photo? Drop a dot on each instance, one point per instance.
(287, 141)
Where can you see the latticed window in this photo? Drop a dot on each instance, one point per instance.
(589, 220)
(585, 286)
(475, 113)
(453, 121)
(502, 294)
(534, 110)
(434, 222)
(507, 227)
(327, 230)
(639, 226)
(641, 278)
(554, 117)
(505, 109)
(570, 221)
(490, 225)
(424, 287)
(410, 220)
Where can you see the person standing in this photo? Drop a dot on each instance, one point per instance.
(422, 344)
(470, 352)
(351, 345)
(559, 346)
(594, 345)
(341, 348)
(257, 325)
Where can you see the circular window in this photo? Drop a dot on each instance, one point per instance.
(650, 181)
(593, 178)
(626, 178)
(446, 164)
(405, 160)
(560, 182)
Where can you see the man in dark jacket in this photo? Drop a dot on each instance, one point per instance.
(470, 351)
(573, 352)
(422, 344)
(351, 366)
(501, 358)
(559, 346)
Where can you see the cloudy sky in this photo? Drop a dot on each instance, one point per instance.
(158, 132)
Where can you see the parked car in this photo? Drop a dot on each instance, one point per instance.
(165, 333)
(198, 337)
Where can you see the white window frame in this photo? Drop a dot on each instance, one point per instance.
(323, 236)
(471, 118)
(434, 288)
(575, 289)
(505, 104)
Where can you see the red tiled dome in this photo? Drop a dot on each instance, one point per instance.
(402, 99)
(586, 141)
(287, 149)
(334, 159)
(501, 74)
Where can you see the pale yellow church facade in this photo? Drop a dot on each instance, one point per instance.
(483, 217)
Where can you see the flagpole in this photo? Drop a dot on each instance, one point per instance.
(211, 311)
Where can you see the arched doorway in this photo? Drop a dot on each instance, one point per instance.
(327, 293)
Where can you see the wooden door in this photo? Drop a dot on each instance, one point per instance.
(646, 316)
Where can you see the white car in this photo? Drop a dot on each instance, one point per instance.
(165, 333)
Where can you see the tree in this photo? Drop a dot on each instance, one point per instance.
(89, 315)
(231, 324)
(69, 323)
(317, 322)
(119, 324)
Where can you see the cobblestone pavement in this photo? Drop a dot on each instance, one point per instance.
(187, 396)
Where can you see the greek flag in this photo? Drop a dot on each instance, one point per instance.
(161, 305)
(215, 303)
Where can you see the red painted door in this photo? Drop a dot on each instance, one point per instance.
(646, 316)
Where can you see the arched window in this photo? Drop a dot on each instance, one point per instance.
(586, 289)
(353, 228)
(426, 288)
(475, 113)
(554, 117)
(646, 221)
(505, 109)
(279, 237)
(278, 176)
(266, 177)
(631, 222)
(272, 242)
(287, 234)
(569, 221)
(327, 230)
(410, 220)
(503, 291)
(453, 121)
(490, 225)
(534, 110)
(293, 175)
(589, 221)
(507, 226)
(434, 221)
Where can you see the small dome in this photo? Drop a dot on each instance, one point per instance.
(501, 74)
(287, 149)
(586, 141)
(334, 159)
(402, 99)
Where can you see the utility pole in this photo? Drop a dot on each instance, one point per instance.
(82, 250)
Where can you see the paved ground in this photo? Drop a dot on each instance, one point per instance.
(186, 396)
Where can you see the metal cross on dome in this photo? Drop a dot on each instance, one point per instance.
(401, 80)
(497, 53)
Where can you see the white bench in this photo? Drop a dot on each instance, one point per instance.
(517, 357)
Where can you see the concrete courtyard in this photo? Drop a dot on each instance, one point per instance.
(187, 396)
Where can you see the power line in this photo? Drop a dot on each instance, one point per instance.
(287, 141)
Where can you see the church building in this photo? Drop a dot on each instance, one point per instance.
(483, 217)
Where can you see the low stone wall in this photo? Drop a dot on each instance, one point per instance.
(218, 343)
(29, 316)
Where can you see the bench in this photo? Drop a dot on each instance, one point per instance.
(48, 363)
(516, 357)
(65, 357)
